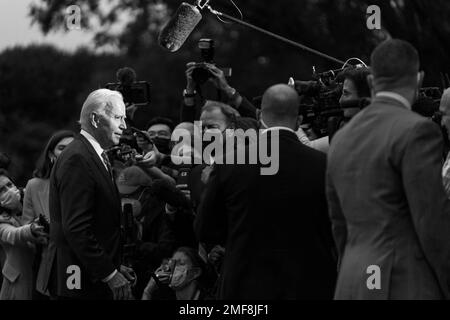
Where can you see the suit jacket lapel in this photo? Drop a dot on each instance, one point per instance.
(100, 166)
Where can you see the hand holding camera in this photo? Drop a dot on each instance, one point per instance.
(143, 140)
(38, 233)
(42, 221)
(161, 276)
(199, 73)
(165, 271)
(150, 159)
(190, 83)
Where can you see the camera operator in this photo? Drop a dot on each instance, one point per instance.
(444, 109)
(159, 131)
(355, 88)
(228, 94)
(385, 194)
(135, 93)
(154, 236)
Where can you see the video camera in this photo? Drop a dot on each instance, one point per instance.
(133, 92)
(42, 221)
(427, 104)
(201, 73)
(319, 99)
(320, 105)
(127, 150)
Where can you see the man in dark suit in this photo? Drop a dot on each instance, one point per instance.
(389, 211)
(85, 207)
(276, 230)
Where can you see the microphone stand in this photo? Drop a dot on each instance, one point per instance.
(274, 35)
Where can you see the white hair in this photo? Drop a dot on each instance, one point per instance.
(97, 100)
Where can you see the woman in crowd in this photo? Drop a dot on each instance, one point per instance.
(36, 200)
(185, 275)
(16, 240)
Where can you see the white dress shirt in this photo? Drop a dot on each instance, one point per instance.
(321, 144)
(98, 149)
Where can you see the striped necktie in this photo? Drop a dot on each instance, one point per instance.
(108, 165)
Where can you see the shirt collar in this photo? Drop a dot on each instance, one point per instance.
(395, 96)
(279, 128)
(98, 149)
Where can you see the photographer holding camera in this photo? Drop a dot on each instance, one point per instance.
(153, 236)
(197, 74)
(183, 277)
(17, 240)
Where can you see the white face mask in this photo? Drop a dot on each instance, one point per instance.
(181, 277)
(10, 199)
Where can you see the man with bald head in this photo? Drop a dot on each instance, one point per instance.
(274, 228)
(389, 210)
(279, 106)
(85, 207)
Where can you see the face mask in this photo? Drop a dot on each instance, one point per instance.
(10, 199)
(163, 144)
(181, 277)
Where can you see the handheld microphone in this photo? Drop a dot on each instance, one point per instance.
(179, 27)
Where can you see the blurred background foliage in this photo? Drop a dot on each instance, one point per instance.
(42, 88)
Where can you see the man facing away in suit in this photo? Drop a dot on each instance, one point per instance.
(389, 211)
(276, 229)
(85, 207)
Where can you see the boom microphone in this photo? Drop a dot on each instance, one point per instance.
(178, 29)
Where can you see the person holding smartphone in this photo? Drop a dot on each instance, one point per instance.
(185, 275)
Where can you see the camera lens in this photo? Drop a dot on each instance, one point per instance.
(201, 75)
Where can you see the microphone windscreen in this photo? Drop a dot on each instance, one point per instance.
(179, 27)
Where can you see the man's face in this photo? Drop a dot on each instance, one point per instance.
(159, 130)
(213, 119)
(349, 92)
(111, 123)
(444, 108)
